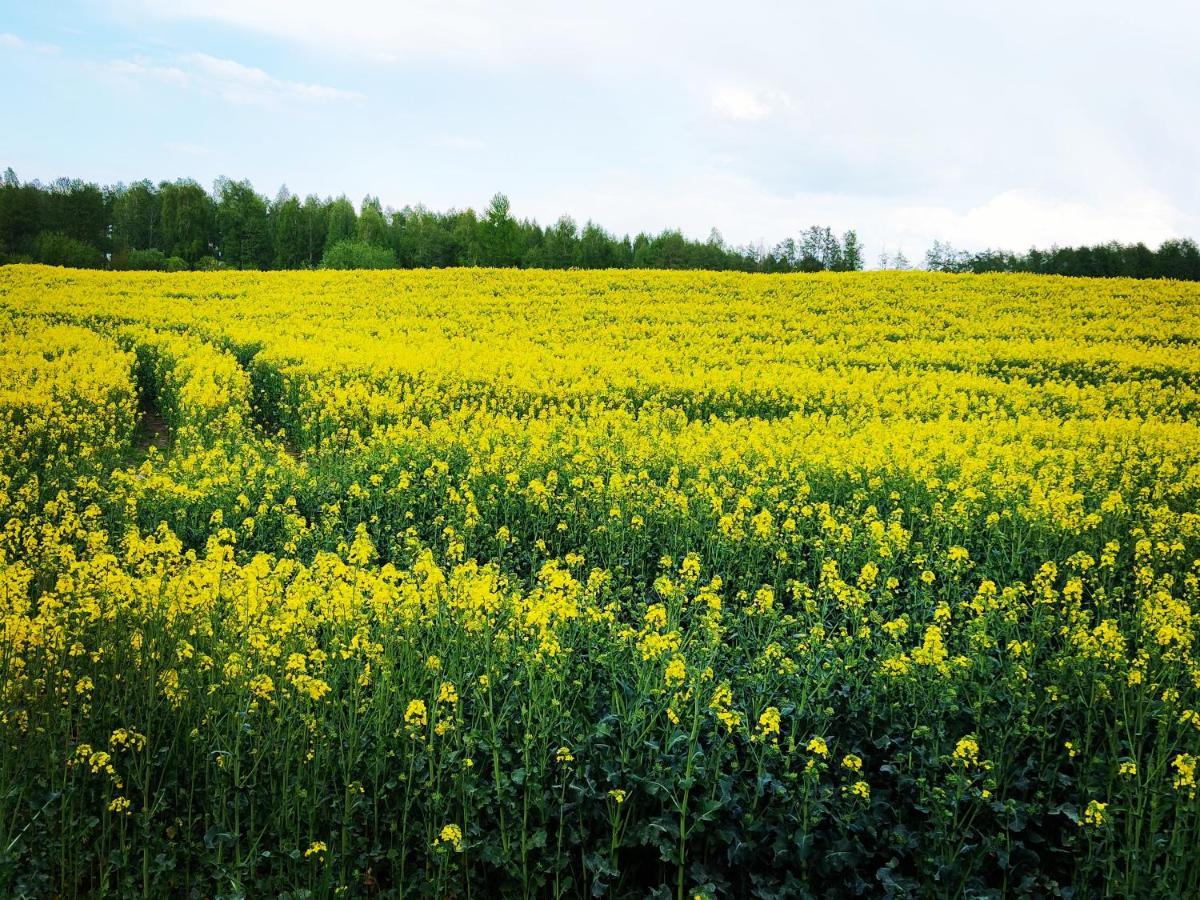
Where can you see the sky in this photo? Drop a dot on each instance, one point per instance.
(985, 124)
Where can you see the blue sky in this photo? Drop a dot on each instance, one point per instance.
(985, 124)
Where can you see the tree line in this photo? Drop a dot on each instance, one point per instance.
(1173, 259)
(179, 225)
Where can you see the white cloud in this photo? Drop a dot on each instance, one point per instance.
(935, 119)
(1018, 218)
(228, 79)
(12, 42)
(141, 69)
(467, 31)
(743, 105)
(747, 213)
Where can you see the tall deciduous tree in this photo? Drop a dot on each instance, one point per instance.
(852, 252)
(560, 244)
(287, 228)
(315, 223)
(188, 220)
(20, 216)
(245, 237)
(372, 226)
(137, 218)
(342, 222)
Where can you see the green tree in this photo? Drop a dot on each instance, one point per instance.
(242, 226)
(188, 220)
(57, 249)
(20, 216)
(598, 249)
(463, 230)
(499, 236)
(351, 254)
(287, 228)
(819, 250)
(342, 222)
(315, 224)
(560, 245)
(372, 226)
(152, 260)
(77, 209)
(852, 252)
(137, 217)
(784, 257)
(423, 238)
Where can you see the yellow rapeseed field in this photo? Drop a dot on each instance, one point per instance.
(494, 582)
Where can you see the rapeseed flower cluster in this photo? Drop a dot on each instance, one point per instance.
(795, 561)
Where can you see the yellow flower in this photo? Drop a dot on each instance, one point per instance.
(818, 746)
(868, 574)
(966, 752)
(416, 716)
(896, 628)
(315, 848)
(127, 737)
(314, 687)
(1093, 815)
(618, 796)
(860, 789)
(852, 762)
(452, 836)
(262, 686)
(564, 755)
(932, 651)
(362, 551)
(768, 722)
(1184, 779)
(447, 693)
(764, 599)
(721, 699)
(1127, 769)
(676, 671)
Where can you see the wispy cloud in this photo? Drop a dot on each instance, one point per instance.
(186, 149)
(229, 79)
(458, 143)
(12, 42)
(467, 32)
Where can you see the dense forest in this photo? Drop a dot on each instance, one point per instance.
(179, 225)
